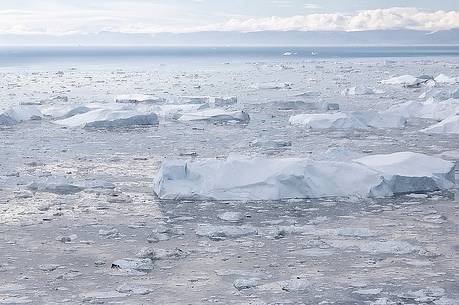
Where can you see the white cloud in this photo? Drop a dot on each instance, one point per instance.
(151, 17)
(379, 19)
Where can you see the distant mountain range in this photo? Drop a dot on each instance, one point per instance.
(264, 38)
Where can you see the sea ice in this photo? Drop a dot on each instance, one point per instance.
(339, 120)
(138, 98)
(349, 120)
(406, 81)
(448, 125)
(19, 113)
(444, 79)
(407, 172)
(426, 110)
(106, 118)
(239, 178)
(216, 115)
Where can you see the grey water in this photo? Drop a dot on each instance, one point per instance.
(138, 56)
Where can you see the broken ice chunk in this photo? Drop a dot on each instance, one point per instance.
(106, 118)
(448, 125)
(408, 172)
(216, 115)
(18, 114)
(138, 98)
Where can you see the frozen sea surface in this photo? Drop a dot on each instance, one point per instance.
(57, 244)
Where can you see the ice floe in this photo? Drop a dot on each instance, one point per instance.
(448, 125)
(426, 110)
(213, 101)
(360, 90)
(107, 118)
(407, 172)
(349, 120)
(444, 79)
(19, 113)
(407, 80)
(241, 178)
(138, 98)
(215, 115)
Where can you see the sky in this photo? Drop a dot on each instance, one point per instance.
(60, 17)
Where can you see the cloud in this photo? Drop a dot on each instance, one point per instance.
(151, 17)
(378, 19)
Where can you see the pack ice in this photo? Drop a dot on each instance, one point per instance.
(349, 120)
(242, 178)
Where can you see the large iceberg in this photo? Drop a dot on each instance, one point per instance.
(448, 125)
(108, 118)
(19, 113)
(216, 115)
(349, 120)
(240, 178)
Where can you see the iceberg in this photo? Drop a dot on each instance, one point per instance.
(407, 172)
(107, 118)
(339, 120)
(440, 94)
(241, 178)
(19, 113)
(407, 81)
(426, 110)
(216, 115)
(360, 90)
(217, 101)
(444, 79)
(448, 125)
(349, 120)
(138, 98)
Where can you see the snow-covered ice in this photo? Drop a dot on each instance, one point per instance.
(138, 98)
(448, 125)
(349, 120)
(216, 115)
(106, 118)
(239, 178)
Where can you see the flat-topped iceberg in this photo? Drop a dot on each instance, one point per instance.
(240, 178)
(138, 98)
(349, 120)
(448, 125)
(20, 113)
(216, 115)
(107, 118)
